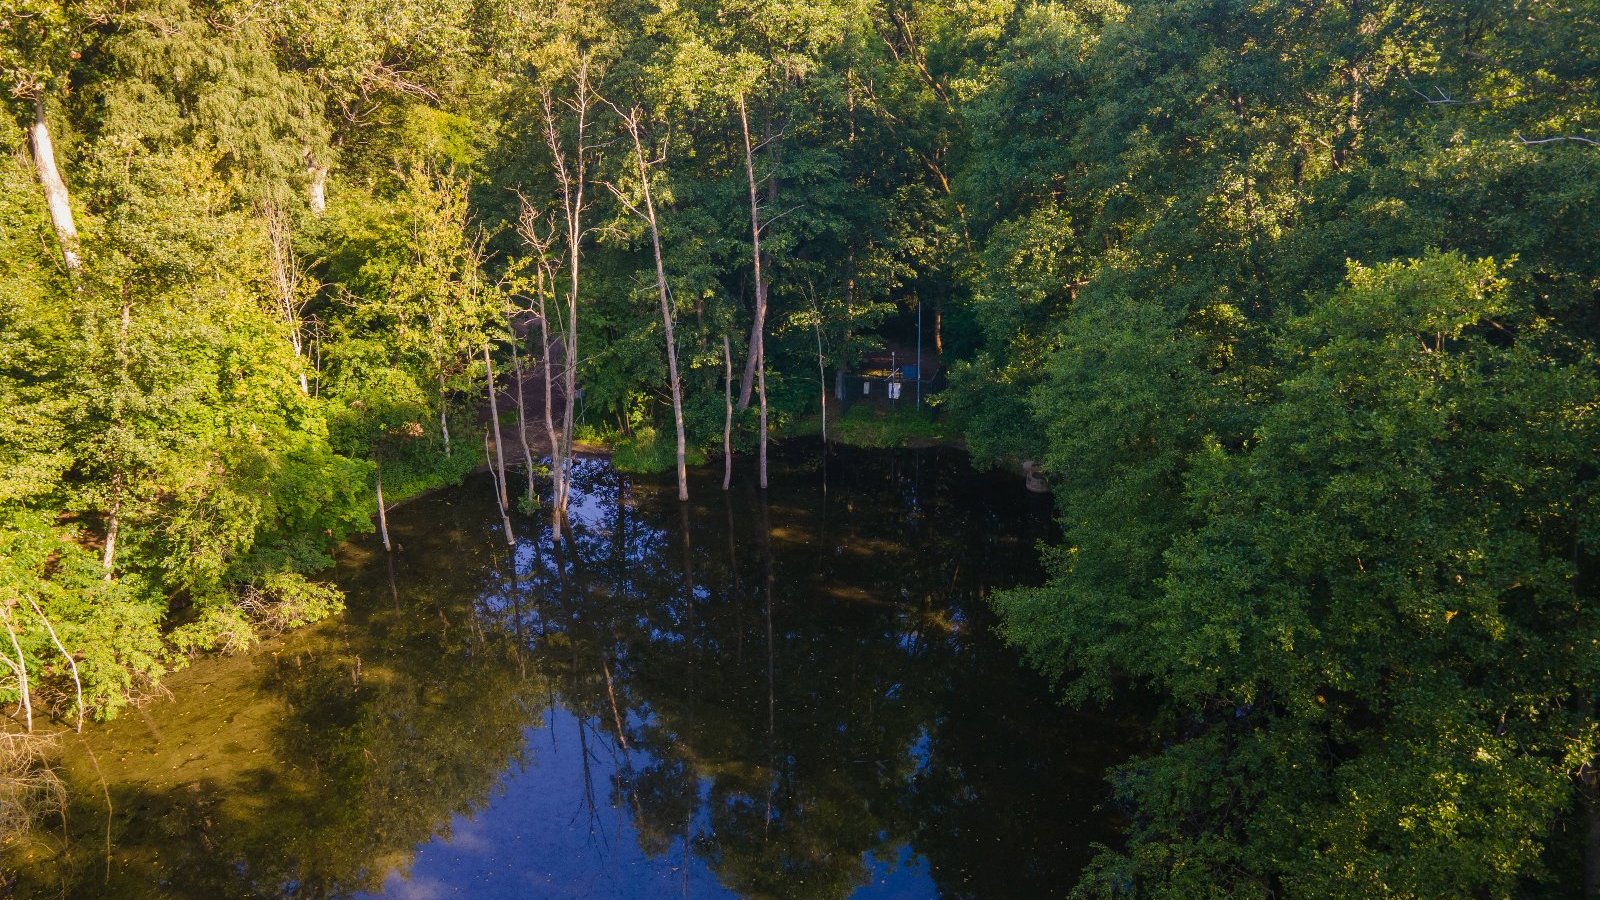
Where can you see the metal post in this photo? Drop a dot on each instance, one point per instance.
(919, 353)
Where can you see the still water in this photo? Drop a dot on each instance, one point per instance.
(795, 695)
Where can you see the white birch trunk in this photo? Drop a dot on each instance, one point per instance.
(55, 188)
(286, 281)
(318, 193)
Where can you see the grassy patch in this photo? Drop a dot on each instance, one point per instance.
(866, 425)
(419, 471)
(648, 451)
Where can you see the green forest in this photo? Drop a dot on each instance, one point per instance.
(1293, 304)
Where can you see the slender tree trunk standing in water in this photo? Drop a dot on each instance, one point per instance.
(528, 226)
(759, 347)
(383, 513)
(822, 371)
(572, 181)
(494, 428)
(556, 471)
(500, 488)
(727, 419)
(522, 419)
(632, 121)
(55, 188)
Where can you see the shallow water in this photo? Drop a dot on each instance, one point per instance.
(791, 696)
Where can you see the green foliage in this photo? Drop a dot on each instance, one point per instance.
(176, 460)
(1336, 513)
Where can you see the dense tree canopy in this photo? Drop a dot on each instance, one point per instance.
(1294, 304)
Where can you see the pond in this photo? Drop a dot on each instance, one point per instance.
(796, 694)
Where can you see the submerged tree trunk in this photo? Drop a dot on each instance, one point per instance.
(727, 420)
(55, 188)
(759, 347)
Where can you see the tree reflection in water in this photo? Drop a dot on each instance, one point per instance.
(794, 694)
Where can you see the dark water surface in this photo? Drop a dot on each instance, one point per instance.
(796, 696)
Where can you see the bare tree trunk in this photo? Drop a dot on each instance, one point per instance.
(727, 419)
(522, 418)
(383, 512)
(759, 347)
(20, 669)
(71, 663)
(55, 189)
(822, 371)
(500, 490)
(444, 417)
(108, 553)
(494, 428)
(666, 305)
(318, 194)
(286, 280)
(572, 180)
(557, 470)
(747, 381)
